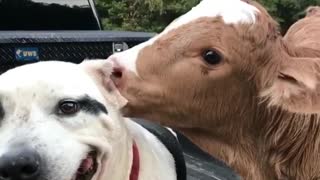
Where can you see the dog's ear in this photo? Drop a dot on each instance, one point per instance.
(100, 71)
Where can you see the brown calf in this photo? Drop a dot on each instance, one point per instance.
(223, 75)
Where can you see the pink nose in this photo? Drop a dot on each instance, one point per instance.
(117, 71)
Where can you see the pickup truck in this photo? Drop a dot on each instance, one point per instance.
(70, 30)
(66, 30)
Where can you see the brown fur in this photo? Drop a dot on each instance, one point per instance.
(303, 36)
(255, 110)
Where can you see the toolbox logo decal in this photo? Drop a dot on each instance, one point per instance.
(27, 54)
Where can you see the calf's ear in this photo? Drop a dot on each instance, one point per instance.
(296, 87)
(312, 11)
(100, 71)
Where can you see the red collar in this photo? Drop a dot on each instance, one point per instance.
(134, 175)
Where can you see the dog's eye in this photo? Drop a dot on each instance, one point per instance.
(68, 107)
(211, 57)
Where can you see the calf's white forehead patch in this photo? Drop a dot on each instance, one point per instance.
(231, 11)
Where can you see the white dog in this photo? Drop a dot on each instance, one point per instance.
(56, 123)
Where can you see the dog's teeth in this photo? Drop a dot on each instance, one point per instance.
(74, 177)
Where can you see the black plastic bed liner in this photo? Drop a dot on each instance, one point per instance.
(199, 164)
(202, 166)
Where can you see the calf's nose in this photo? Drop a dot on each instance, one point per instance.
(117, 72)
(20, 163)
(126, 60)
(117, 76)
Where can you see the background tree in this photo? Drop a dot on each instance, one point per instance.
(154, 15)
(286, 12)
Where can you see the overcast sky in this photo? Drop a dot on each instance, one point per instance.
(71, 2)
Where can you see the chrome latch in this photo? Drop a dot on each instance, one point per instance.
(119, 46)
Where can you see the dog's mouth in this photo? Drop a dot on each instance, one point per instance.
(87, 168)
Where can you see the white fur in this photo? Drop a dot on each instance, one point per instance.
(158, 164)
(231, 11)
(29, 96)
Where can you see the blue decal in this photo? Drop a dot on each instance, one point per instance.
(27, 54)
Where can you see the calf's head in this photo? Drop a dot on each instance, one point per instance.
(216, 62)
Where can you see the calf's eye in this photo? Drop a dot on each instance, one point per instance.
(211, 57)
(69, 107)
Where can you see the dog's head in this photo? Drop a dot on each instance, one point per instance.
(55, 124)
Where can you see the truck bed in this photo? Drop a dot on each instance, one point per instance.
(71, 46)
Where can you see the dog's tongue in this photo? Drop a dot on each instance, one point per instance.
(86, 165)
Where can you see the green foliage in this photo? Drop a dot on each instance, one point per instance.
(141, 15)
(154, 15)
(286, 12)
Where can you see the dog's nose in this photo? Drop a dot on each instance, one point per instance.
(20, 163)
